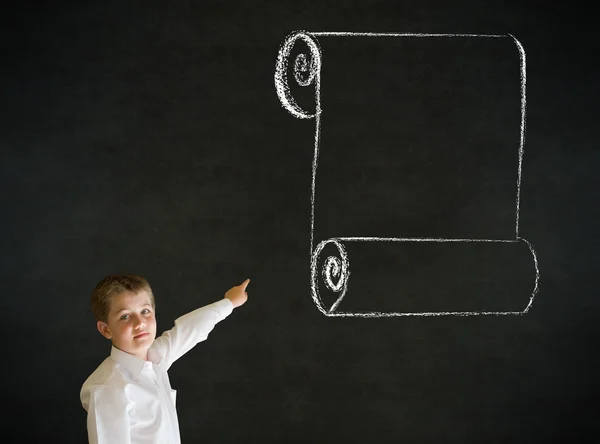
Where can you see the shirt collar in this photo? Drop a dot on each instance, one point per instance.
(132, 363)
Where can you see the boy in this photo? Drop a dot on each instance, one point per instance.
(128, 398)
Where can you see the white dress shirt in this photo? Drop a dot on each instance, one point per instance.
(129, 400)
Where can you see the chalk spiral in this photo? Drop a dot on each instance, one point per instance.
(307, 68)
(335, 273)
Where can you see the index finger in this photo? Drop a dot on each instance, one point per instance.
(245, 284)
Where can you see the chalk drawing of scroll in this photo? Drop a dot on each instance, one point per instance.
(418, 141)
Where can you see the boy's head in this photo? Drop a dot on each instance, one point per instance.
(124, 309)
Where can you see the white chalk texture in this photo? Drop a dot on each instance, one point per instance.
(417, 171)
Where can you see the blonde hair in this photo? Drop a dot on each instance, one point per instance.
(111, 286)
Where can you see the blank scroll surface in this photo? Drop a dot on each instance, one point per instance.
(418, 147)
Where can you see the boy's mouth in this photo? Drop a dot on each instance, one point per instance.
(141, 335)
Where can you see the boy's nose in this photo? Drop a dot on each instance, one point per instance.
(139, 323)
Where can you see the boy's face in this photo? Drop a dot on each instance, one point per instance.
(131, 323)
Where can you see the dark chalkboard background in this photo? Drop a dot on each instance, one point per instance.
(146, 137)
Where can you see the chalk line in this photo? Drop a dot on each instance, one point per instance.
(522, 128)
(398, 34)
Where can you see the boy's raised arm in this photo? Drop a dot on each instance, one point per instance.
(195, 326)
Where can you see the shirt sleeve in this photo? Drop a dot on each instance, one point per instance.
(190, 329)
(108, 420)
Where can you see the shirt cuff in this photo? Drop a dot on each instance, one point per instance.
(226, 306)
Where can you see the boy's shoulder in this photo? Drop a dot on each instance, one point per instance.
(102, 373)
(107, 380)
(107, 374)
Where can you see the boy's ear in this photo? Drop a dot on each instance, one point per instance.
(104, 329)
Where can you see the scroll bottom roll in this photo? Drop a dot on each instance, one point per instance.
(418, 277)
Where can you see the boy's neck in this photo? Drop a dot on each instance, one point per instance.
(145, 358)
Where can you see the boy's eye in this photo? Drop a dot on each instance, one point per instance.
(124, 317)
(145, 311)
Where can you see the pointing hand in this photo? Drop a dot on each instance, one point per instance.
(237, 295)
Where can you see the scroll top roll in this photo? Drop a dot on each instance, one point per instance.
(307, 68)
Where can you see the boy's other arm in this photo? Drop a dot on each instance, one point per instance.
(195, 326)
(108, 416)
